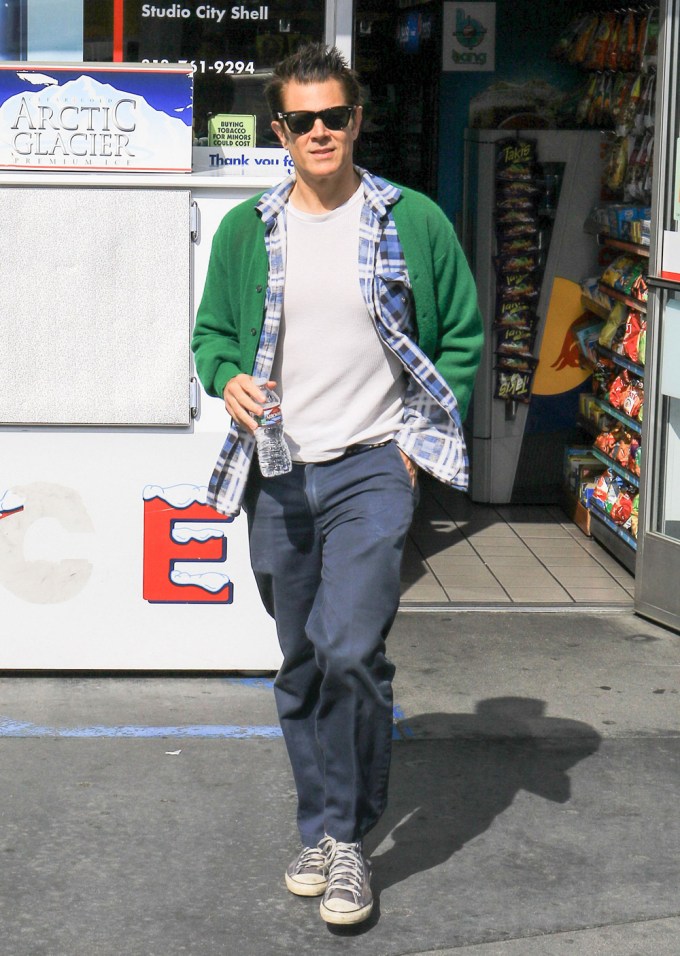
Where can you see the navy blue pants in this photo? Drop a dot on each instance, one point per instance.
(326, 543)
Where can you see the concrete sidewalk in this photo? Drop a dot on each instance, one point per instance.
(533, 803)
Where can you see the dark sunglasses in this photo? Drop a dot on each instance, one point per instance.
(301, 121)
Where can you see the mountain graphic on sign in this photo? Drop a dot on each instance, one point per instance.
(154, 134)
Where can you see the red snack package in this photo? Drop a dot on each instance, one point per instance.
(631, 337)
(605, 442)
(618, 389)
(597, 54)
(627, 55)
(622, 508)
(621, 451)
(602, 487)
(613, 49)
(639, 289)
(640, 42)
(633, 399)
(588, 29)
(569, 36)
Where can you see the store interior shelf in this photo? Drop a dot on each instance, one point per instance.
(626, 299)
(592, 306)
(621, 360)
(621, 544)
(616, 467)
(592, 428)
(619, 416)
(632, 247)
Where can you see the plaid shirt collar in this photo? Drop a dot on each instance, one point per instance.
(378, 193)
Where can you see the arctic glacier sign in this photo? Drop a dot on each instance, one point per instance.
(119, 117)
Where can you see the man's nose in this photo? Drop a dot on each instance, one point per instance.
(319, 128)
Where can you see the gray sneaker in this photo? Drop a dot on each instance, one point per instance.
(348, 897)
(307, 875)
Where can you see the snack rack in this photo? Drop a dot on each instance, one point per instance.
(613, 419)
(514, 452)
(602, 489)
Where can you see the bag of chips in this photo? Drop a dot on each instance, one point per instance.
(615, 319)
(583, 39)
(515, 160)
(513, 386)
(622, 508)
(516, 263)
(515, 342)
(617, 272)
(634, 516)
(519, 286)
(630, 343)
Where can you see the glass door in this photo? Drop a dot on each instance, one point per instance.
(658, 562)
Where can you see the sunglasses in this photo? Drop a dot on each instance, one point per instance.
(301, 121)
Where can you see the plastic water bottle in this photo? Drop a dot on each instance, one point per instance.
(272, 450)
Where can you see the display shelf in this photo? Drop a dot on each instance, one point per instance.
(596, 307)
(616, 467)
(574, 508)
(588, 426)
(621, 360)
(626, 299)
(619, 416)
(621, 544)
(632, 247)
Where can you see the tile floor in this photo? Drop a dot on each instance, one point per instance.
(465, 553)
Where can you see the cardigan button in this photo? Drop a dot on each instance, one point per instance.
(253, 331)
(258, 288)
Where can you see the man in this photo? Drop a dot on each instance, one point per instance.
(353, 298)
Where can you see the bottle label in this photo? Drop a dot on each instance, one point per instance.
(271, 415)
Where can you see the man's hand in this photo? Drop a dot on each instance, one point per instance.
(411, 468)
(243, 399)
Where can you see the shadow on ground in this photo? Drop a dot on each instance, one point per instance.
(453, 774)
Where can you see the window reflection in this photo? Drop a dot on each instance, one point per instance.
(232, 47)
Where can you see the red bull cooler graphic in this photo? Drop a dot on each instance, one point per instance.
(560, 368)
(185, 548)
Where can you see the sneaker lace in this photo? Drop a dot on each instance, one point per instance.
(315, 857)
(347, 870)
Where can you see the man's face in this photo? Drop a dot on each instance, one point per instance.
(321, 153)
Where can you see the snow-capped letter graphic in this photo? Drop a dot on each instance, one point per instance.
(185, 548)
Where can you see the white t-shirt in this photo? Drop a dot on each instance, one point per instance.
(339, 384)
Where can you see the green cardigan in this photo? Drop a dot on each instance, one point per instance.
(231, 313)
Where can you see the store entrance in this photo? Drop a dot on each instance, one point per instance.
(559, 249)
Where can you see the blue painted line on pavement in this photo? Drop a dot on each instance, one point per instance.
(401, 729)
(259, 683)
(13, 728)
(18, 728)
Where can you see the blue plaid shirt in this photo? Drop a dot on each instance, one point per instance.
(431, 433)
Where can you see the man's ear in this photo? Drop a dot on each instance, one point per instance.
(356, 121)
(280, 133)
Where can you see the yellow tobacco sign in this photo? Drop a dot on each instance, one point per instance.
(231, 129)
